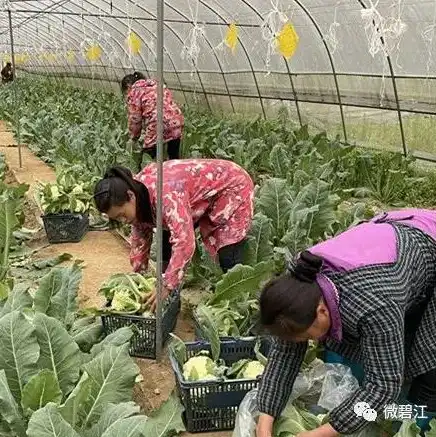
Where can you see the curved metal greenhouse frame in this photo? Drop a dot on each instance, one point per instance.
(316, 74)
(359, 55)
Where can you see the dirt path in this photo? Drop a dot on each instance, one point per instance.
(103, 253)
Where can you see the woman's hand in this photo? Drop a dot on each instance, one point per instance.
(152, 300)
(265, 426)
(323, 431)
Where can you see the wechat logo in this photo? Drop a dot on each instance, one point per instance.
(362, 409)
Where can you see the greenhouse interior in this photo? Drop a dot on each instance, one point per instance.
(173, 173)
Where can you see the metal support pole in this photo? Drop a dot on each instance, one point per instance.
(159, 159)
(11, 35)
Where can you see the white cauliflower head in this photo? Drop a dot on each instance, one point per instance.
(252, 370)
(199, 368)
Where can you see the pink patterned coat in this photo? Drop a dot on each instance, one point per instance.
(142, 109)
(215, 193)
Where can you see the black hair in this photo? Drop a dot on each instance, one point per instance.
(130, 79)
(288, 304)
(113, 190)
(8, 64)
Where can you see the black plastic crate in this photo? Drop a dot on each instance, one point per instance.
(212, 405)
(65, 227)
(143, 342)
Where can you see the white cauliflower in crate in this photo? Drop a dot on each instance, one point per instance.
(200, 368)
(252, 370)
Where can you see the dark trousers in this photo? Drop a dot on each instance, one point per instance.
(228, 256)
(173, 150)
(423, 388)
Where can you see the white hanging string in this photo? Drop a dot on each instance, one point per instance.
(84, 42)
(64, 47)
(51, 53)
(129, 29)
(222, 44)
(105, 41)
(428, 35)
(220, 48)
(57, 45)
(384, 36)
(330, 37)
(191, 45)
(151, 56)
(270, 27)
(6, 5)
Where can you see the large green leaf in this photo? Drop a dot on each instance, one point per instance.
(59, 352)
(273, 200)
(57, 294)
(8, 223)
(86, 332)
(40, 390)
(18, 299)
(241, 280)
(209, 329)
(108, 378)
(167, 420)
(120, 337)
(112, 414)
(49, 286)
(135, 426)
(259, 246)
(51, 262)
(72, 410)
(48, 422)
(19, 351)
(280, 160)
(177, 348)
(9, 410)
(314, 210)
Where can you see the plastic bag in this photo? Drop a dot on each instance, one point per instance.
(245, 423)
(338, 385)
(325, 385)
(321, 386)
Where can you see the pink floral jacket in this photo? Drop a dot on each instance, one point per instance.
(216, 194)
(142, 109)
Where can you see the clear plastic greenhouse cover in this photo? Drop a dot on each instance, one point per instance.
(242, 53)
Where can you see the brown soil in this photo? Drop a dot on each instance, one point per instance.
(7, 139)
(103, 253)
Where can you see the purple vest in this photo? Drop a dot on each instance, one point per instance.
(370, 243)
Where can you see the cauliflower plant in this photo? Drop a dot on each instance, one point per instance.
(199, 368)
(123, 302)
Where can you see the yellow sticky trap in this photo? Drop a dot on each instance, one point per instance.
(93, 53)
(49, 56)
(231, 38)
(134, 43)
(287, 40)
(70, 56)
(21, 58)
